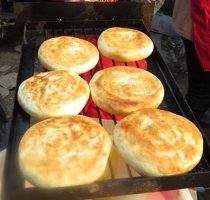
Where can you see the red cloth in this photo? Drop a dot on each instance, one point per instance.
(164, 195)
(201, 28)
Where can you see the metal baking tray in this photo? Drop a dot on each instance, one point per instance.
(14, 185)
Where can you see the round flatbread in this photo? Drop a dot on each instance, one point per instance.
(122, 90)
(157, 142)
(54, 93)
(68, 53)
(64, 151)
(125, 44)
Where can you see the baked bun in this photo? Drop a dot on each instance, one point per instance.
(124, 44)
(64, 151)
(157, 142)
(68, 53)
(53, 93)
(122, 90)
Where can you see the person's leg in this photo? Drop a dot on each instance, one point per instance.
(198, 93)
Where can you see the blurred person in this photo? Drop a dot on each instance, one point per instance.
(157, 3)
(191, 20)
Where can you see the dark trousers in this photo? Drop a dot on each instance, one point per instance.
(198, 94)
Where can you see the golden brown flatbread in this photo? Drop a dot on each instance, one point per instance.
(54, 93)
(157, 142)
(68, 53)
(64, 151)
(122, 90)
(125, 44)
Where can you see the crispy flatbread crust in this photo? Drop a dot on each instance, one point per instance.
(125, 44)
(54, 93)
(64, 151)
(122, 90)
(157, 142)
(68, 53)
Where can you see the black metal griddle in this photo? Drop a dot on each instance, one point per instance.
(35, 32)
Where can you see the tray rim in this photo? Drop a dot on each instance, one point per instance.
(176, 182)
